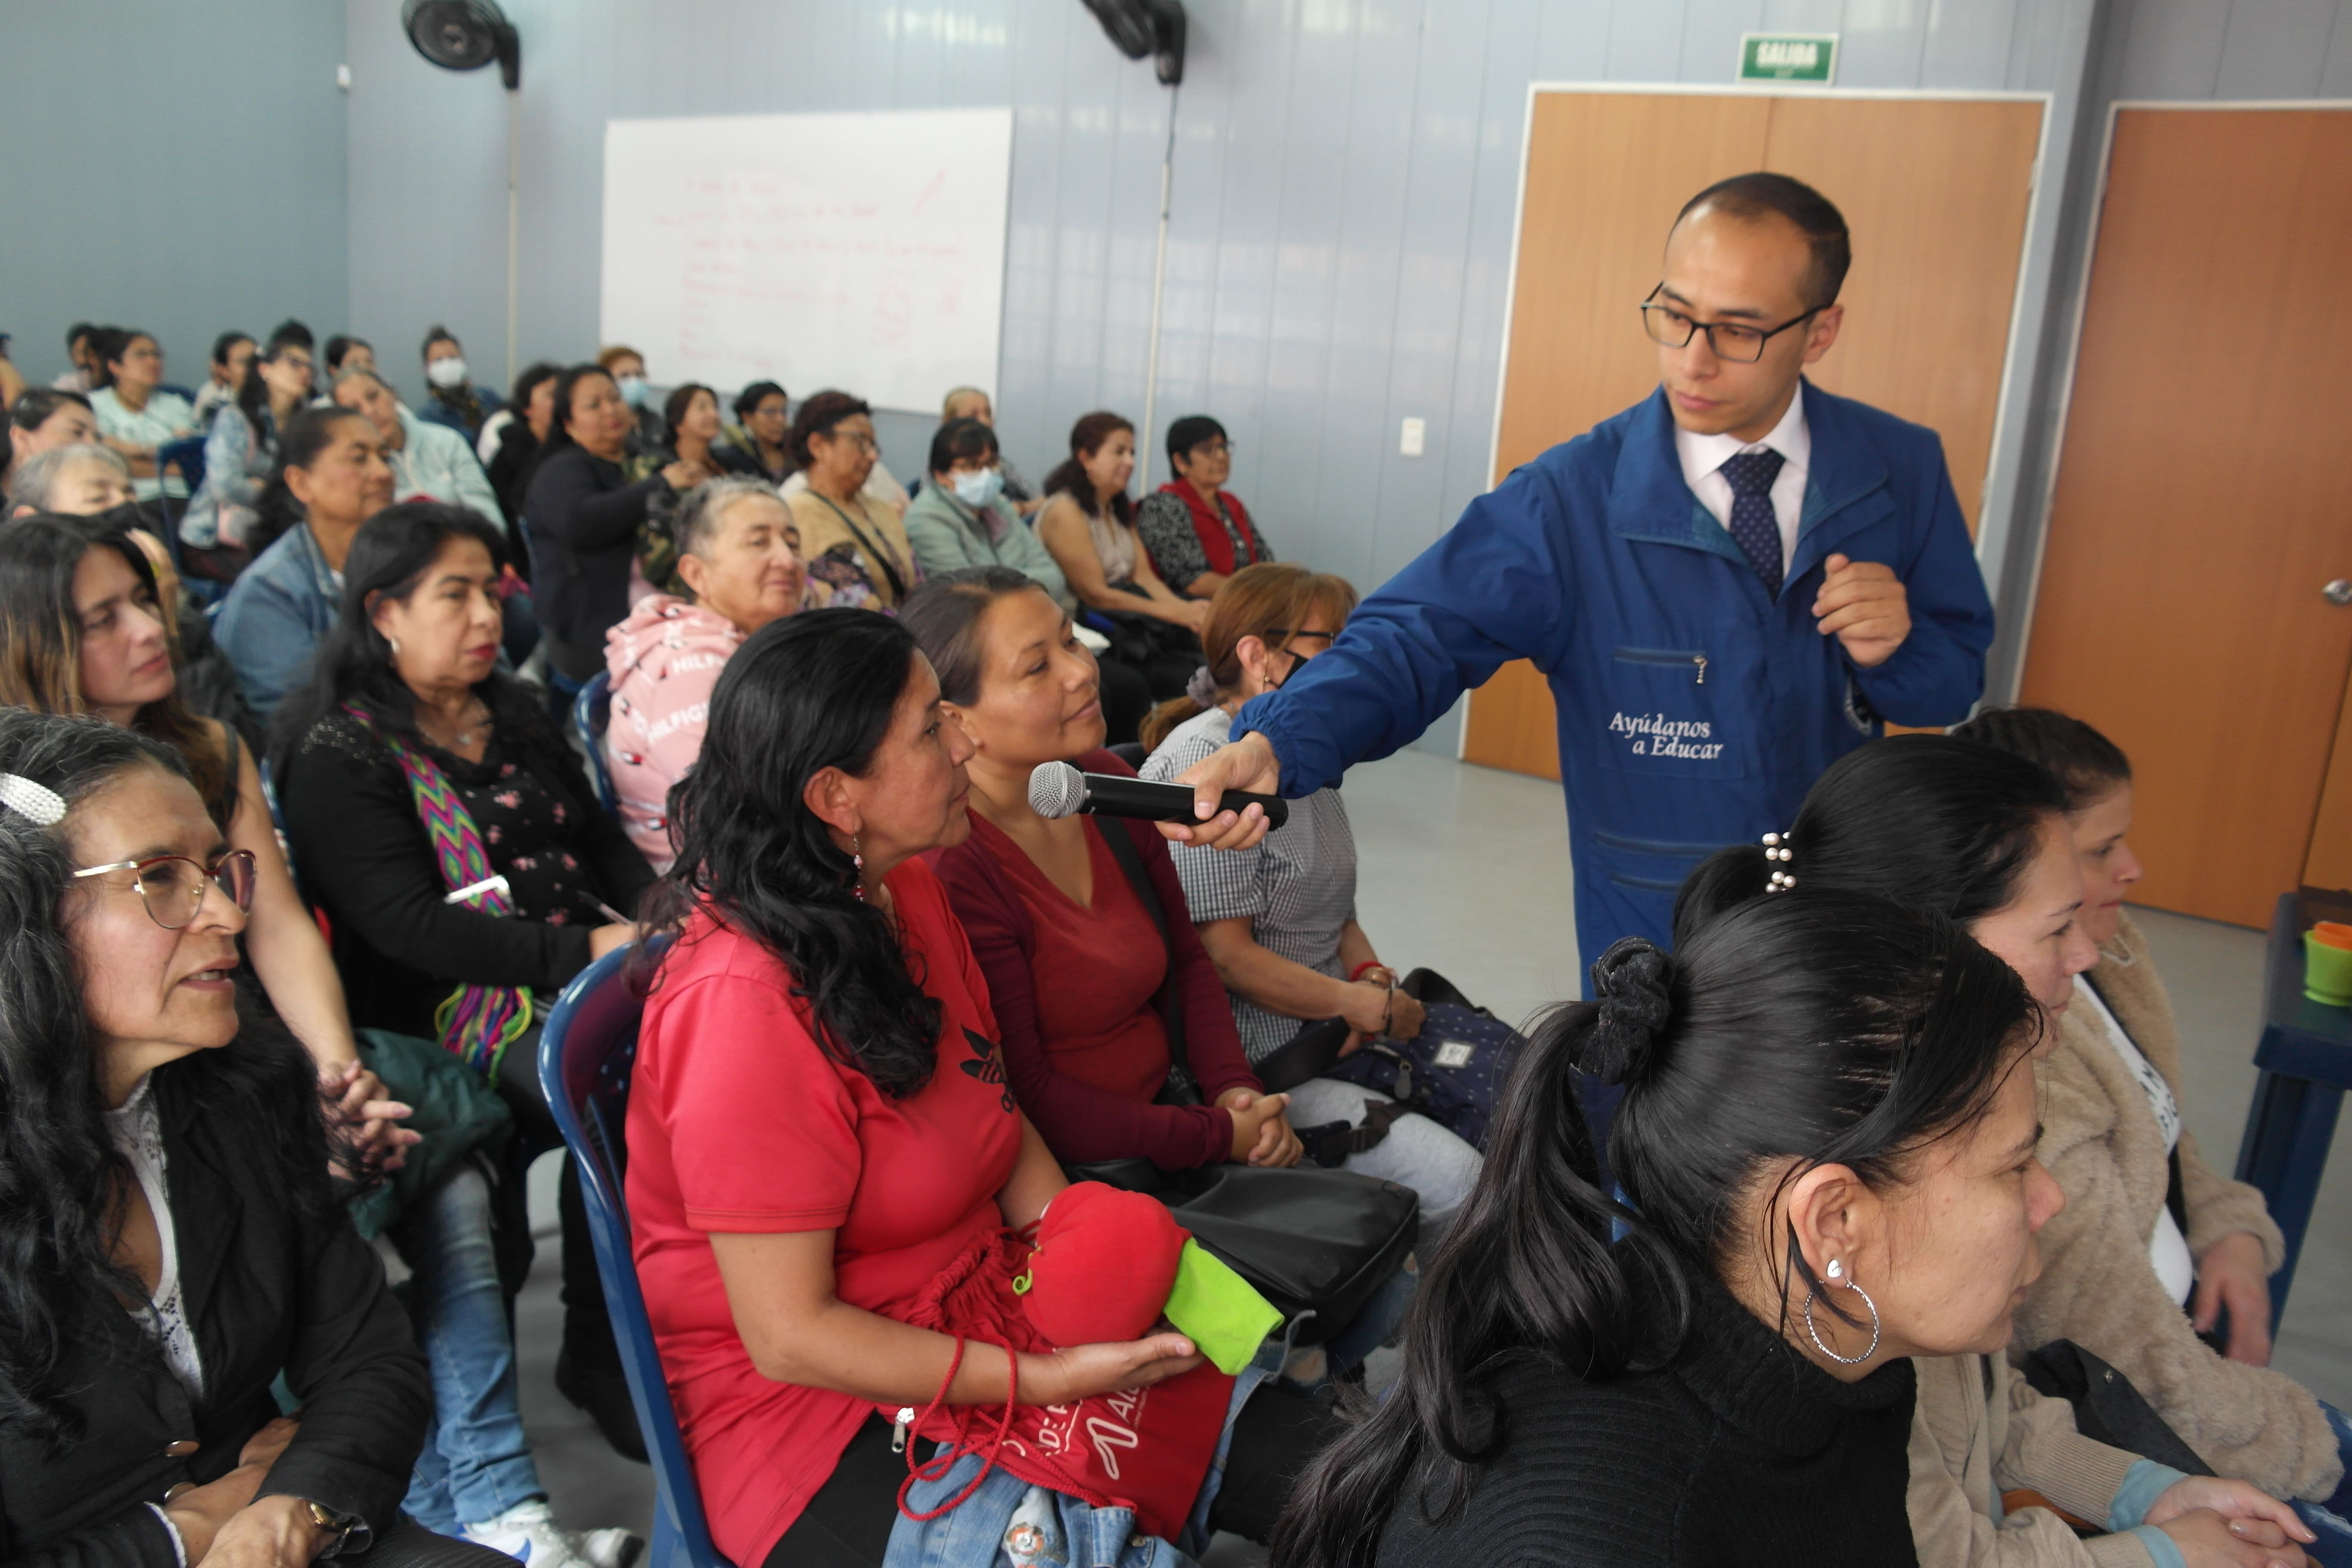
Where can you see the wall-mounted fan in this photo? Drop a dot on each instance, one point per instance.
(1140, 27)
(464, 36)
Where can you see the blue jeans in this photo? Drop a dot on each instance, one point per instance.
(477, 1462)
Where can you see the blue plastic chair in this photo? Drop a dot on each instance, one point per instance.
(587, 1051)
(591, 710)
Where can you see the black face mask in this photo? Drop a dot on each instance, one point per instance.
(130, 514)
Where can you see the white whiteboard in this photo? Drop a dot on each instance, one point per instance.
(862, 251)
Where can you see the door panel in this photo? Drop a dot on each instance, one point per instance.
(2204, 496)
(1936, 192)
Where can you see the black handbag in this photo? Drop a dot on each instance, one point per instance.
(2107, 1407)
(1314, 1243)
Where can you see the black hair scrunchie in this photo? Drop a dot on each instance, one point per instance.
(1628, 981)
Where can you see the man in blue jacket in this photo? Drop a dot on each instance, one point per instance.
(1730, 585)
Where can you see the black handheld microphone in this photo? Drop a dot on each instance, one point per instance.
(1057, 790)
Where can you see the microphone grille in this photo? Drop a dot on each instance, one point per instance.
(1056, 790)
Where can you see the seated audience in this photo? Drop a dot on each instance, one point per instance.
(690, 431)
(332, 469)
(345, 352)
(232, 352)
(584, 514)
(417, 771)
(1088, 1055)
(740, 570)
(853, 545)
(825, 1211)
(1087, 523)
(217, 533)
(513, 435)
(760, 441)
(135, 417)
(43, 417)
(963, 518)
(2161, 1266)
(88, 372)
(429, 462)
(972, 402)
(79, 481)
(1825, 1158)
(1278, 919)
(626, 366)
(454, 400)
(176, 1240)
(691, 425)
(1197, 532)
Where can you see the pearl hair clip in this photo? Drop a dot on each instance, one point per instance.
(35, 803)
(1776, 848)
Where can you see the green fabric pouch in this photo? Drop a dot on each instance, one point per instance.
(1218, 1310)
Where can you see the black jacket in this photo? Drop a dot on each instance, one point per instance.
(265, 1292)
(364, 858)
(583, 516)
(1741, 1451)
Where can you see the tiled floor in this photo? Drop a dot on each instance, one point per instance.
(1467, 870)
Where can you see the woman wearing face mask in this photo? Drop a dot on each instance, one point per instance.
(455, 402)
(2158, 1257)
(177, 1246)
(853, 545)
(1198, 532)
(584, 513)
(429, 462)
(219, 532)
(760, 441)
(332, 474)
(961, 519)
(135, 417)
(739, 568)
(1826, 1157)
(1279, 919)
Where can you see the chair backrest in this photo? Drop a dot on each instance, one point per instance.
(591, 710)
(187, 455)
(587, 1054)
(1132, 753)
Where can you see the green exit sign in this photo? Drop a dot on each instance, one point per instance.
(1787, 57)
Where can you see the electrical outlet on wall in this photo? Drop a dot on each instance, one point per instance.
(344, 78)
(1413, 439)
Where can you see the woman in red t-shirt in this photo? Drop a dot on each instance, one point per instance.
(823, 1153)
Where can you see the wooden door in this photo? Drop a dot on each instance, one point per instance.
(1936, 192)
(2204, 498)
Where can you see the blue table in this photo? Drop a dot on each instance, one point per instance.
(2306, 1057)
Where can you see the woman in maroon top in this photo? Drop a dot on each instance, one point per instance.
(1088, 1053)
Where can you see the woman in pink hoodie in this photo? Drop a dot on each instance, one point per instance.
(738, 558)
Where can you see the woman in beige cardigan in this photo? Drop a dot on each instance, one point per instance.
(2129, 1276)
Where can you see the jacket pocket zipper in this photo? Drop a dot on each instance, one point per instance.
(1667, 656)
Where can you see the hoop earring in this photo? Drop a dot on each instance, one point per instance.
(1838, 1276)
(857, 870)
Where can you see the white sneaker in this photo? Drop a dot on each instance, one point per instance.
(527, 1533)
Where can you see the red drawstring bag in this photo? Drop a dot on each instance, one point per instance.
(1146, 1450)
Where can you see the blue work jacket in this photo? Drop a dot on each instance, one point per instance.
(1695, 709)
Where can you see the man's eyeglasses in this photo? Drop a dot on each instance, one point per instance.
(1734, 340)
(173, 886)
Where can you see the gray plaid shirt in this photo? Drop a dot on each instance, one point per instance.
(1297, 885)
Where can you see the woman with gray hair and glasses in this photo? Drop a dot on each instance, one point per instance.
(738, 562)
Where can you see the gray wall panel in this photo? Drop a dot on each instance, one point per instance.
(179, 168)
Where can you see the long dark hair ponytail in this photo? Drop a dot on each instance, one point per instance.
(808, 692)
(1927, 821)
(1808, 1027)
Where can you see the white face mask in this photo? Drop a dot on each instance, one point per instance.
(635, 391)
(977, 489)
(446, 373)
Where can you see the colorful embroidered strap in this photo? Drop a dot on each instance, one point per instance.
(475, 1023)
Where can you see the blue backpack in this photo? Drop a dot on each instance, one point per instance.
(1451, 1072)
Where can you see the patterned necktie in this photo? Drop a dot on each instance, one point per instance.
(1754, 525)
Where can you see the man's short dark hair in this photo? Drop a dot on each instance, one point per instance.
(1751, 196)
(291, 330)
(38, 402)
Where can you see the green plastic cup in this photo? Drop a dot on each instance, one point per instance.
(2326, 972)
